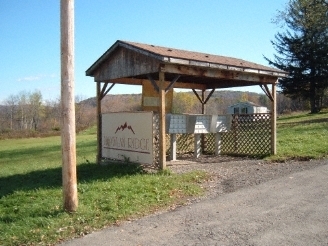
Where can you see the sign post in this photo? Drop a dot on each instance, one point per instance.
(68, 105)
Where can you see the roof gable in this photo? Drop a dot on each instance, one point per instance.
(171, 55)
(133, 63)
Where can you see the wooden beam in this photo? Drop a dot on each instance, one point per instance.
(188, 85)
(209, 96)
(202, 137)
(219, 73)
(172, 83)
(198, 97)
(180, 85)
(103, 89)
(203, 108)
(267, 92)
(99, 124)
(68, 137)
(127, 81)
(162, 135)
(203, 100)
(104, 93)
(153, 82)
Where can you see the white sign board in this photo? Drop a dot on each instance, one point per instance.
(128, 136)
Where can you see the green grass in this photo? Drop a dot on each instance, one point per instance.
(31, 210)
(31, 200)
(302, 136)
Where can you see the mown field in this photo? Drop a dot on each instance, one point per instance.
(302, 136)
(31, 193)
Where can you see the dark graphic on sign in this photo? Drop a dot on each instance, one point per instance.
(123, 127)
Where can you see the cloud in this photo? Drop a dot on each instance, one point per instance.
(29, 78)
(37, 77)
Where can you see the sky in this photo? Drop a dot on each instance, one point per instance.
(30, 36)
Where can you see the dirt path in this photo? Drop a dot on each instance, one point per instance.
(249, 203)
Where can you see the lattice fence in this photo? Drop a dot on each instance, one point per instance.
(156, 139)
(250, 134)
(185, 143)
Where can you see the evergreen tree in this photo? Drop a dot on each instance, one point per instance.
(303, 51)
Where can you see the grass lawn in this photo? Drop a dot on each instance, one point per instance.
(302, 136)
(31, 191)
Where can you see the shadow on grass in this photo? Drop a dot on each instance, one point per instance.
(304, 122)
(87, 172)
(27, 152)
(307, 117)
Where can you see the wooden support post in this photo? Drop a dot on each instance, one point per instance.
(68, 137)
(99, 123)
(162, 142)
(274, 121)
(203, 112)
(173, 146)
(203, 101)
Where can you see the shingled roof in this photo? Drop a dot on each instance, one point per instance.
(170, 53)
(130, 63)
(186, 57)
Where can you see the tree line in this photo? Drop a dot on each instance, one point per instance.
(27, 114)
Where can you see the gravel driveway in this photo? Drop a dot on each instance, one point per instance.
(249, 202)
(233, 173)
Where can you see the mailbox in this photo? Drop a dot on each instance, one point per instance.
(201, 123)
(176, 123)
(223, 123)
(197, 123)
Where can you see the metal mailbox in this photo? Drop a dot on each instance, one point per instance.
(223, 123)
(201, 123)
(197, 123)
(176, 123)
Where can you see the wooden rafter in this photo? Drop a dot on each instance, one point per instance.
(220, 74)
(172, 83)
(153, 82)
(267, 92)
(104, 92)
(207, 98)
(195, 92)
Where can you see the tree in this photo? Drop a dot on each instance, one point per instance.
(244, 96)
(11, 104)
(35, 109)
(303, 51)
(184, 102)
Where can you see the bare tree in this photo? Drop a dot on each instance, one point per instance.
(11, 104)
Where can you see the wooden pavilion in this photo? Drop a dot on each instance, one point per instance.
(165, 68)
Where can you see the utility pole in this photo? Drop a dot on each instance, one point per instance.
(68, 105)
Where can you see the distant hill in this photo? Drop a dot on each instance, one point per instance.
(217, 104)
